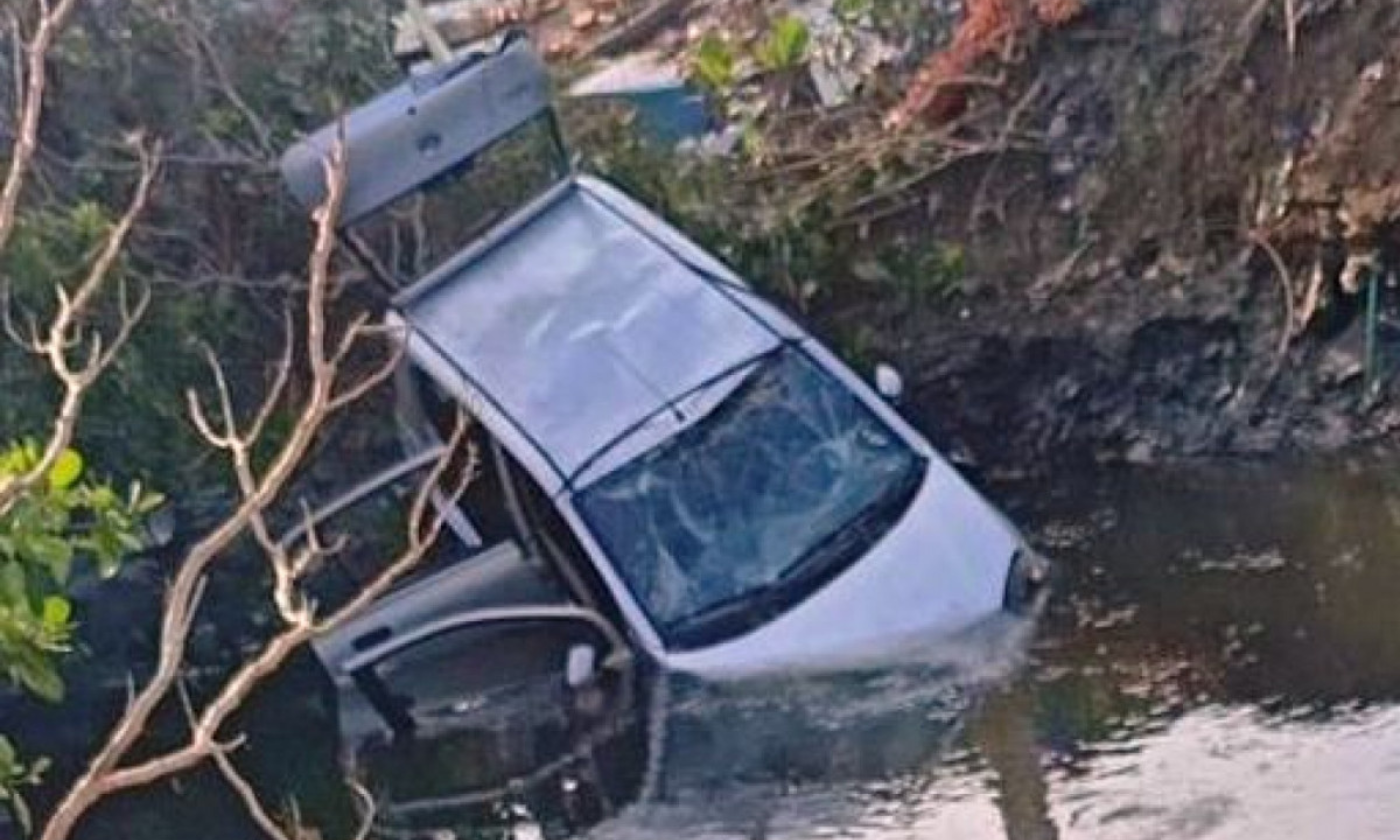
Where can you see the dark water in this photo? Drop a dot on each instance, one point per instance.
(1221, 659)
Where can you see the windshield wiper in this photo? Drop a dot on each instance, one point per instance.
(748, 608)
(757, 604)
(836, 548)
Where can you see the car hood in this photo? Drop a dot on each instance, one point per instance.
(940, 571)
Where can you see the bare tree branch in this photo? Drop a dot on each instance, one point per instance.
(224, 82)
(33, 83)
(66, 331)
(367, 808)
(424, 529)
(109, 771)
(249, 797)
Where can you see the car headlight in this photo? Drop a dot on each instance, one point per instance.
(1027, 581)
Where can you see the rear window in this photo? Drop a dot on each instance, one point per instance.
(423, 229)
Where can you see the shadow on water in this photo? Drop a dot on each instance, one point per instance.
(1221, 660)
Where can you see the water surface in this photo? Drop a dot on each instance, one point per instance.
(1221, 660)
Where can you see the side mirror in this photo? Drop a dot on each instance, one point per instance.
(888, 382)
(581, 666)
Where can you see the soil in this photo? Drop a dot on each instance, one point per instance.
(1182, 272)
(1180, 269)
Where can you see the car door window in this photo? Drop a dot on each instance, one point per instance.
(482, 671)
(369, 530)
(483, 502)
(428, 226)
(541, 528)
(485, 703)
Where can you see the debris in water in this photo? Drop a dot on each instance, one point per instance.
(1270, 560)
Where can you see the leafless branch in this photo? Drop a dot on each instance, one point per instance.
(1285, 280)
(111, 770)
(249, 797)
(1290, 27)
(77, 356)
(32, 83)
(225, 84)
(366, 807)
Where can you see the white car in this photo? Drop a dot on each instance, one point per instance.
(676, 470)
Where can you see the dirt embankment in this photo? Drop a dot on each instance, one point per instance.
(1183, 268)
(1168, 215)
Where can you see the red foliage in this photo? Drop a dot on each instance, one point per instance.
(1057, 12)
(989, 27)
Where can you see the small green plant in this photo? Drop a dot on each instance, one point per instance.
(47, 530)
(786, 44)
(927, 272)
(714, 65)
(63, 520)
(15, 775)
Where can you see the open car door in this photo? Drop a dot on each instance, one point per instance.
(481, 646)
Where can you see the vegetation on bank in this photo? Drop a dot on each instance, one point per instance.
(79, 286)
(48, 537)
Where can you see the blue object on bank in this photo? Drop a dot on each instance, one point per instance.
(668, 108)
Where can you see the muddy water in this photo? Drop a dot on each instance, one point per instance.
(1222, 660)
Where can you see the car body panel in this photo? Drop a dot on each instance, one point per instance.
(414, 132)
(498, 577)
(581, 326)
(940, 570)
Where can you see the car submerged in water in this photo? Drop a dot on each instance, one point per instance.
(674, 471)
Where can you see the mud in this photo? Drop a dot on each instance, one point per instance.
(1181, 271)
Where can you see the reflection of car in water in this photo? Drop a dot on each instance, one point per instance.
(656, 755)
(676, 472)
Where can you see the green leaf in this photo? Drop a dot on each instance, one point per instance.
(66, 470)
(14, 585)
(714, 63)
(20, 809)
(144, 501)
(57, 612)
(41, 678)
(55, 553)
(786, 44)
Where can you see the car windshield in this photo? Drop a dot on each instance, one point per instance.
(776, 490)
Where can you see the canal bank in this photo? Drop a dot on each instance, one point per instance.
(1161, 231)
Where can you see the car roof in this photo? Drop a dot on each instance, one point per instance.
(584, 321)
